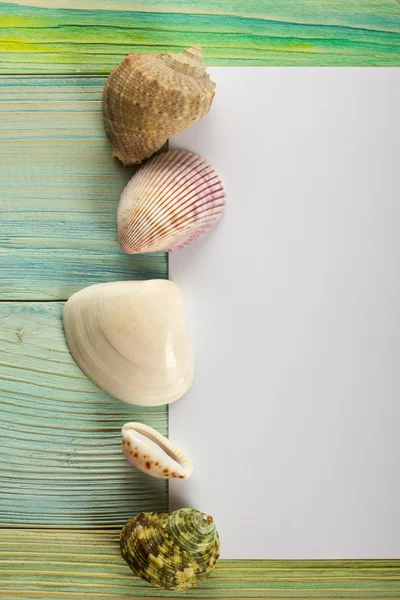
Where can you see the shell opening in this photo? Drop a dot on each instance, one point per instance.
(161, 445)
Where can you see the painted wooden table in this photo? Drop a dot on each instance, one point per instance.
(65, 489)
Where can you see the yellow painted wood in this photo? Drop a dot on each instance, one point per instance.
(74, 564)
(92, 36)
(59, 191)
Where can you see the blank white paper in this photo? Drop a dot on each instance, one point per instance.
(293, 420)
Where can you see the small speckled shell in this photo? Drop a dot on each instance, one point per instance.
(173, 551)
(170, 202)
(150, 97)
(152, 453)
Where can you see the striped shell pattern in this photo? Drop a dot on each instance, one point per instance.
(170, 202)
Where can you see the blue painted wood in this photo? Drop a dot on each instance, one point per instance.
(61, 463)
(59, 190)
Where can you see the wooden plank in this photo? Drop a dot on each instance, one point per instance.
(59, 190)
(70, 564)
(60, 457)
(92, 36)
(60, 461)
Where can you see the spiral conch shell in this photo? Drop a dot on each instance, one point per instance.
(152, 453)
(170, 202)
(173, 551)
(131, 338)
(150, 97)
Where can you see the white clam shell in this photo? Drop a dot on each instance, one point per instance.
(154, 454)
(171, 201)
(131, 338)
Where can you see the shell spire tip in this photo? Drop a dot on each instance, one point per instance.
(196, 50)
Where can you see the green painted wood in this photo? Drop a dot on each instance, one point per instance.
(72, 564)
(59, 190)
(92, 36)
(60, 446)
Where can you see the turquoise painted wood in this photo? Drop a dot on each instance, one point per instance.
(60, 446)
(59, 190)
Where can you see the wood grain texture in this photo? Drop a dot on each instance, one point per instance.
(59, 190)
(92, 36)
(72, 564)
(61, 463)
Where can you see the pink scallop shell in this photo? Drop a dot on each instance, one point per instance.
(170, 202)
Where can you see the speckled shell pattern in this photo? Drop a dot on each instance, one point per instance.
(171, 201)
(150, 97)
(172, 551)
(146, 449)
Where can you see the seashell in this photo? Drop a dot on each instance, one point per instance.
(150, 97)
(152, 453)
(131, 338)
(170, 202)
(173, 551)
